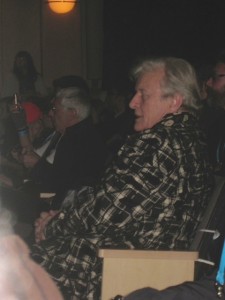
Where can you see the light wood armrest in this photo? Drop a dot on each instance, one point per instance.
(148, 254)
(127, 270)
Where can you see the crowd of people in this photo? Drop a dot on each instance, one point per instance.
(127, 171)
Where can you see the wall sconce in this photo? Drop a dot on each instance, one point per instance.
(61, 6)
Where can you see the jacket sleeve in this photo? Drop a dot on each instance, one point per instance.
(203, 289)
(43, 174)
(127, 192)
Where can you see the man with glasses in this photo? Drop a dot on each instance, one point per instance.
(152, 194)
(79, 151)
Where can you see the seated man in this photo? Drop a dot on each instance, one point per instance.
(153, 194)
(80, 152)
(16, 195)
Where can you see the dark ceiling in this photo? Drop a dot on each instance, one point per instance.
(191, 29)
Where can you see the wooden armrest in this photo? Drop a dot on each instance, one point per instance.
(148, 254)
(127, 270)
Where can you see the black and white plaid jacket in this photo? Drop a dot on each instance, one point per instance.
(151, 197)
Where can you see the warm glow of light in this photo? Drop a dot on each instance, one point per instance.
(61, 6)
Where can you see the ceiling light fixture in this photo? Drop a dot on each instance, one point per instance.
(61, 6)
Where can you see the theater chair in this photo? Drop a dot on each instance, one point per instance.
(127, 270)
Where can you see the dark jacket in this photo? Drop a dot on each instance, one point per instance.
(79, 160)
(203, 289)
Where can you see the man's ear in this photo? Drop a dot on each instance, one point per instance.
(72, 116)
(176, 103)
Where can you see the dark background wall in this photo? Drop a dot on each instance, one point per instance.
(100, 39)
(191, 29)
(59, 44)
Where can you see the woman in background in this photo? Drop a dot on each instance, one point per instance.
(24, 79)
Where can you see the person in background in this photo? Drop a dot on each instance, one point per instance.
(20, 277)
(151, 196)
(212, 118)
(48, 119)
(80, 153)
(18, 194)
(123, 119)
(24, 79)
(29, 135)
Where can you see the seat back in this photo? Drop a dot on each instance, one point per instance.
(212, 220)
(127, 270)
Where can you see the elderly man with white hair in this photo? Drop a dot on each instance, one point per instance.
(80, 153)
(152, 195)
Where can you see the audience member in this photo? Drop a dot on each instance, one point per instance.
(100, 113)
(80, 152)
(117, 121)
(59, 84)
(18, 194)
(29, 134)
(152, 195)
(213, 115)
(24, 79)
(20, 277)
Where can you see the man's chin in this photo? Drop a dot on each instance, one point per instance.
(215, 98)
(138, 127)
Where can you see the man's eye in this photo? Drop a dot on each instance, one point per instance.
(145, 97)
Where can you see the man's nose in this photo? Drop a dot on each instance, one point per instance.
(134, 103)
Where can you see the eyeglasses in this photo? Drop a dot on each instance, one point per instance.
(217, 76)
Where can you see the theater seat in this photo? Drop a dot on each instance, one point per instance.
(127, 270)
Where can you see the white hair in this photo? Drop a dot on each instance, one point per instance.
(75, 98)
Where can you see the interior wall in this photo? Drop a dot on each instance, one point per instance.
(59, 44)
(94, 33)
(20, 30)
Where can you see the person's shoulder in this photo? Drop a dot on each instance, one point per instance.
(148, 138)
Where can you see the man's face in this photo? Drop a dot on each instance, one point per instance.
(216, 86)
(148, 103)
(217, 81)
(60, 116)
